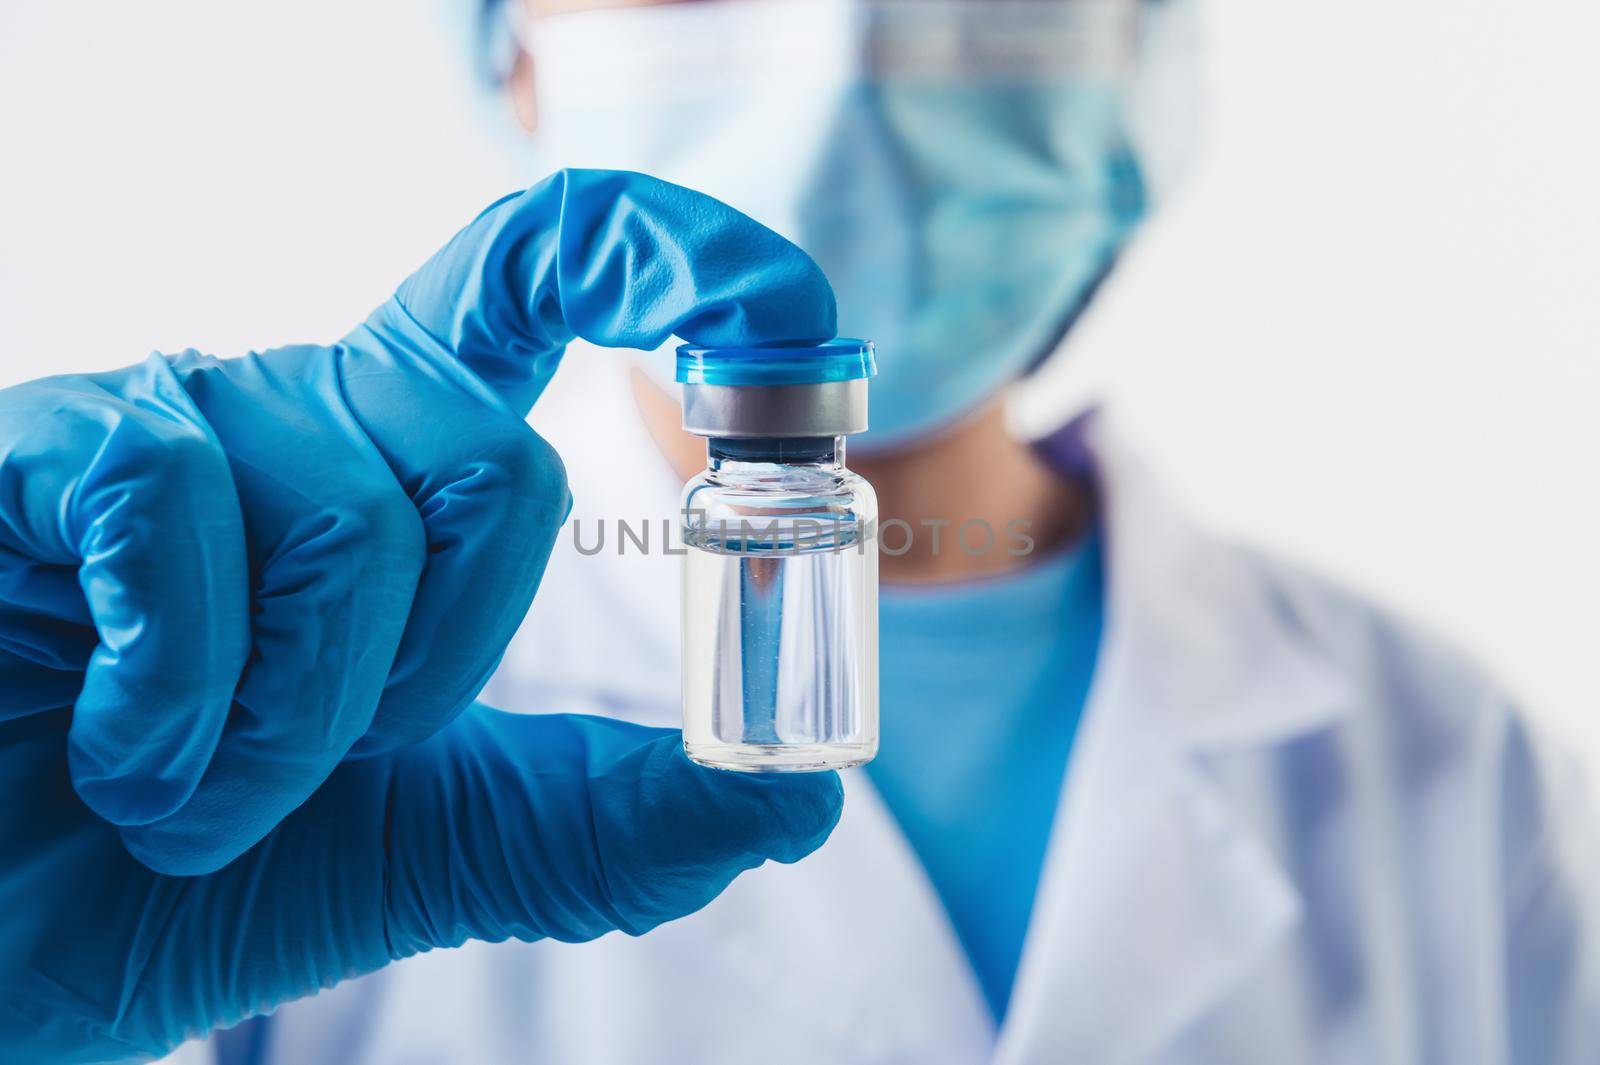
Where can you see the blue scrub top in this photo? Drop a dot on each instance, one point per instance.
(983, 683)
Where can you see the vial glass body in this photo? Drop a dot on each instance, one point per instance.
(780, 609)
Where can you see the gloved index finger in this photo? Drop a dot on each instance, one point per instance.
(617, 258)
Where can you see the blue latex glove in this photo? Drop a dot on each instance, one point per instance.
(244, 603)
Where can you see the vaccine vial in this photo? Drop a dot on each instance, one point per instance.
(780, 575)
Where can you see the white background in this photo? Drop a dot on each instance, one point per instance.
(1366, 333)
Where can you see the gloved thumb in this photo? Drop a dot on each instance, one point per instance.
(570, 827)
(498, 826)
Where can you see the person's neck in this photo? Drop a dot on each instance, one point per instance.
(976, 471)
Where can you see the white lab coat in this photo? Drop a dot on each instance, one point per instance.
(1293, 829)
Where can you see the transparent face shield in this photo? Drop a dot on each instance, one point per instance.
(959, 169)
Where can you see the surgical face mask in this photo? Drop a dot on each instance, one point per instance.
(958, 168)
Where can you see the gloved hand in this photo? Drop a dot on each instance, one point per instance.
(244, 603)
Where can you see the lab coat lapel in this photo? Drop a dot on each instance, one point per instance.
(1157, 897)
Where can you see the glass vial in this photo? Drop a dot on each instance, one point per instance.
(780, 575)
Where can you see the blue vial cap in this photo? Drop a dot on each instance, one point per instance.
(785, 364)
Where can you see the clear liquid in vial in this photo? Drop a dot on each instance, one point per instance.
(780, 645)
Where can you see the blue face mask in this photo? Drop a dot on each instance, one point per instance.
(959, 170)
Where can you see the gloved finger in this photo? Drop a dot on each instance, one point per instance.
(499, 826)
(569, 827)
(131, 487)
(617, 258)
(492, 496)
(337, 549)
